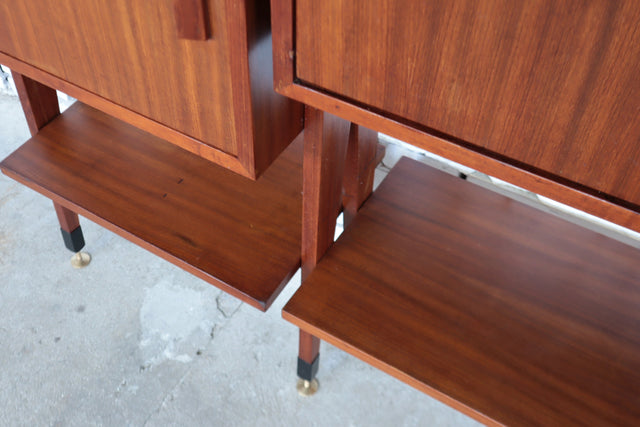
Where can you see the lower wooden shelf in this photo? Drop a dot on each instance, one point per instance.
(240, 235)
(503, 312)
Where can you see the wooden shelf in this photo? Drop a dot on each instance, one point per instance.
(500, 310)
(240, 235)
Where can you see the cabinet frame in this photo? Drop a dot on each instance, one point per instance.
(251, 89)
(571, 193)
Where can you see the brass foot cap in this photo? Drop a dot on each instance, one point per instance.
(307, 388)
(80, 260)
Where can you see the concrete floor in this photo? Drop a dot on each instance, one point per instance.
(133, 340)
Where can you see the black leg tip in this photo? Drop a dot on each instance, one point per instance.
(74, 241)
(307, 371)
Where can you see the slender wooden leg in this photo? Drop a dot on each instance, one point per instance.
(323, 168)
(363, 155)
(40, 106)
(325, 148)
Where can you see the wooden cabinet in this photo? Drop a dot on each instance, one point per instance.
(544, 94)
(213, 97)
(195, 74)
(502, 311)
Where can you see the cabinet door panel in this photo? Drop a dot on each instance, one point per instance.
(130, 52)
(551, 86)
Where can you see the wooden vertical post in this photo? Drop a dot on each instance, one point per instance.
(363, 155)
(40, 106)
(339, 163)
(325, 147)
(39, 102)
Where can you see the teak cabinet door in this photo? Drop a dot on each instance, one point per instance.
(550, 86)
(191, 71)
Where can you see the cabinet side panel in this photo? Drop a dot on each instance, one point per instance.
(277, 120)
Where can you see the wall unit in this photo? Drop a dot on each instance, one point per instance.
(212, 95)
(504, 312)
(540, 94)
(195, 74)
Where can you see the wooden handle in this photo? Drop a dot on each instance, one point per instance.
(191, 19)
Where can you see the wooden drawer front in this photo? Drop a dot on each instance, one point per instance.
(128, 52)
(551, 86)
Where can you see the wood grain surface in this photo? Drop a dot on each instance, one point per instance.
(129, 52)
(275, 119)
(127, 58)
(326, 138)
(240, 235)
(504, 312)
(363, 156)
(39, 102)
(68, 220)
(552, 85)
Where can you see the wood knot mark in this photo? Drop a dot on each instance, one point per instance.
(186, 239)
